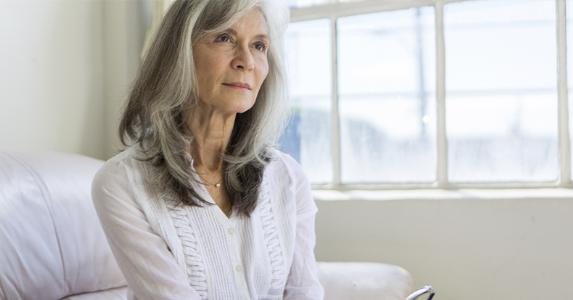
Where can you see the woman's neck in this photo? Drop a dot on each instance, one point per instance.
(211, 132)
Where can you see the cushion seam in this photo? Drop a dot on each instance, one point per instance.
(97, 291)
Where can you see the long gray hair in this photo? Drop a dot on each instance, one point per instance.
(165, 91)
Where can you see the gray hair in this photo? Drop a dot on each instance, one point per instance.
(165, 91)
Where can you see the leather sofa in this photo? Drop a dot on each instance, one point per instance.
(52, 245)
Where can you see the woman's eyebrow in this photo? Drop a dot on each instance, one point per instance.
(258, 36)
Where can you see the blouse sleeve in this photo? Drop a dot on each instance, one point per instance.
(149, 268)
(302, 282)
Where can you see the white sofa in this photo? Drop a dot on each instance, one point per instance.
(52, 245)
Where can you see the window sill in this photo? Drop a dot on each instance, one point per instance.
(442, 194)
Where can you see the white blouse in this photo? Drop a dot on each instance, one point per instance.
(167, 251)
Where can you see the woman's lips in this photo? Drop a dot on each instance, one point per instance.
(238, 85)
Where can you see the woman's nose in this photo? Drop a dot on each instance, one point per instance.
(243, 59)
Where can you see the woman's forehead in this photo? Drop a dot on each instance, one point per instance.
(253, 21)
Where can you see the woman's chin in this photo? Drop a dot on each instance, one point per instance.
(240, 108)
(244, 110)
(231, 104)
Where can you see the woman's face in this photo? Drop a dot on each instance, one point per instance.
(231, 65)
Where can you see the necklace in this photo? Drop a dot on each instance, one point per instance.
(216, 184)
(205, 182)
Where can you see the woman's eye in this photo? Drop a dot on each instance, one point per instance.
(261, 46)
(223, 38)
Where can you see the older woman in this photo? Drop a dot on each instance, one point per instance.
(200, 205)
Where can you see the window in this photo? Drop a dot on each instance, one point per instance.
(308, 136)
(501, 90)
(391, 94)
(386, 96)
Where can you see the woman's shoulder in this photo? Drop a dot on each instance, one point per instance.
(284, 163)
(290, 174)
(118, 166)
(282, 157)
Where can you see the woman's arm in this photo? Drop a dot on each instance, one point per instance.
(142, 255)
(302, 282)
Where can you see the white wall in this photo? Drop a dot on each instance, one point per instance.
(51, 87)
(65, 69)
(467, 248)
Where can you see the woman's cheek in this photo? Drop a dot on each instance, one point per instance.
(264, 71)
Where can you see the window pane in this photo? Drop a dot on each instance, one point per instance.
(307, 137)
(303, 3)
(501, 90)
(386, 94)
(569, 5)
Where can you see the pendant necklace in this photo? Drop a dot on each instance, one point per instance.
(217, 184)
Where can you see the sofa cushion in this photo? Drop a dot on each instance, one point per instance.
(31, 263)
(52, 242)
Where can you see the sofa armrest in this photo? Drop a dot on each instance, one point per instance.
(364, 281)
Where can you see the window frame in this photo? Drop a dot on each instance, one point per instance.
(334, 10)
